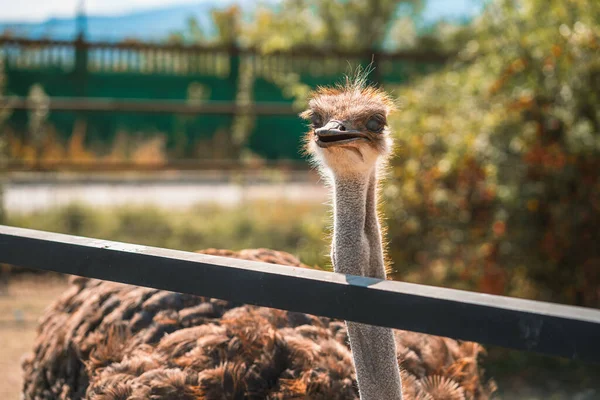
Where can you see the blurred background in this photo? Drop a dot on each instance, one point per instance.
(174, 124)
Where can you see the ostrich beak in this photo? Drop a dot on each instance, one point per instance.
(336, 133)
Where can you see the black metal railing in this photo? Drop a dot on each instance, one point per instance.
(547, 328)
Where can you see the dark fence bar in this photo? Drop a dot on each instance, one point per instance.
(148, 106)
(546, 328)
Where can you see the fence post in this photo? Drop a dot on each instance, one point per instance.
(80, 70)
(242, 97)
(234, 63)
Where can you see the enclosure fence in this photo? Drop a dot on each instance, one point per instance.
(541, 327)
(189, 93)
(175, 58)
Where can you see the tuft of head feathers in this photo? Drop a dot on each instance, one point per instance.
(358, 81)
(352, 86)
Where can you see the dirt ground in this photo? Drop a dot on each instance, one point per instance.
(22, 302)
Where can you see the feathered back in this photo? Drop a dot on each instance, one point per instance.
(109, 341)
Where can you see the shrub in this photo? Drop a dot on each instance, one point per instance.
(495, 185)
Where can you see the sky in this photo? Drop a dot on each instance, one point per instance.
(40, 10)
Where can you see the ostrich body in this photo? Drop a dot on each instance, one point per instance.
(108, 341)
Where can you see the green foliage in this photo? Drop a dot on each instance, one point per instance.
(295, 228)
(192, 33)
(350, 25)
(496, 181)
(227, 22)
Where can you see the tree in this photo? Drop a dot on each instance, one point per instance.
(328, 24)
(496, 182)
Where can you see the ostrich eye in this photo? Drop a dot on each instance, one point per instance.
(375, 124)
(317, 120)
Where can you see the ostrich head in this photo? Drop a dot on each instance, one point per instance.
(349, 133)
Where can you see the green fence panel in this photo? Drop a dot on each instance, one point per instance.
(79, 69)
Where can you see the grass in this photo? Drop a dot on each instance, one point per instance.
(295, 228)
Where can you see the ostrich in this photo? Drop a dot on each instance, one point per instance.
(349, 141)
(103, 340)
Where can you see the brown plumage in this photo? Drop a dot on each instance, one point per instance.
(108, 341)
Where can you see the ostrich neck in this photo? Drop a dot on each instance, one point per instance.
(357, 250)
(356, 230)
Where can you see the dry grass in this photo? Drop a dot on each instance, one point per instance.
(22, 302)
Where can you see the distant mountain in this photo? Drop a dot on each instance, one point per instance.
(156, 24)
(152, 25)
